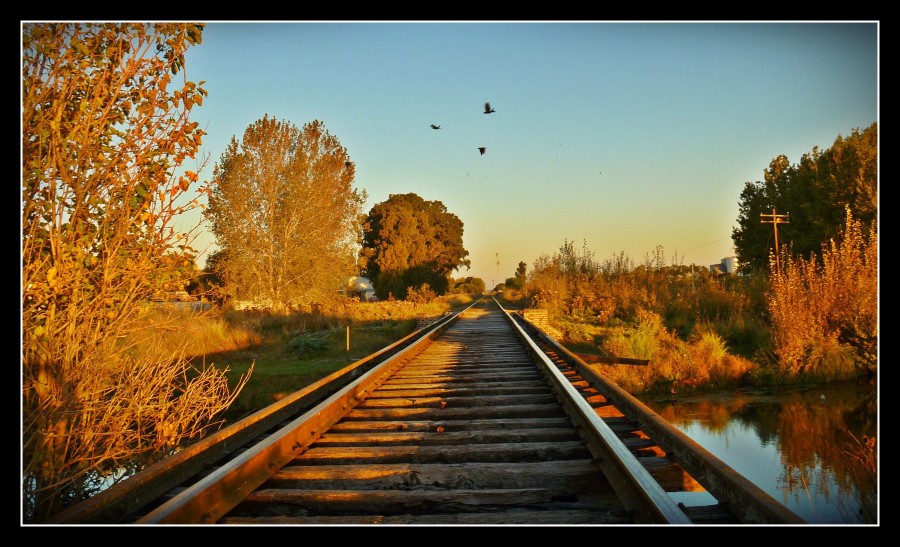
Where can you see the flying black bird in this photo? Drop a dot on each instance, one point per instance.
(482, 149)
(488, 109)
(435, 126)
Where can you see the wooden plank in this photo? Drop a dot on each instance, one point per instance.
(711, 514)
(516, 452)
(451, 425)
(560, 477)
(452, 413)
(420, 391)
(548, 517)
(446, 402)
(397, 501)
(473, 376)
(671, 476)
(434, 437)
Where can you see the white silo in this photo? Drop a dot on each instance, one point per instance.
(729, 265)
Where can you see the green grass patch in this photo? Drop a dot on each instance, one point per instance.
(281, 367)
(289, 352)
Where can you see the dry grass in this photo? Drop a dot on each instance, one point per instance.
(136, 400)
(824, 310)
(200, 333)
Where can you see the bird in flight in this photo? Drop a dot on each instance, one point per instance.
(435, 126)
(482, 149)
(488, 109)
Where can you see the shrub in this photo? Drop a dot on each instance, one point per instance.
(818, 304)
(420, 295)
(310, 342)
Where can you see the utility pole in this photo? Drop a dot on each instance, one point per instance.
(498, 265)
(775, 220)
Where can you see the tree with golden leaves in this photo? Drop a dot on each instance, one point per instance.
(285, 215)
(105, 127)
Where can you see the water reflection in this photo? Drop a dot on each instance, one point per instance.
(812, 449)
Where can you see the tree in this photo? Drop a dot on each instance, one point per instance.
(518, 281)
(467, 285)
(283, 209)
(105, 125)
(814, 193)
(408, 242)
(208, 285)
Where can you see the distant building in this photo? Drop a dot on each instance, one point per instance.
(730, 264)
(361, 287)
(727, 265)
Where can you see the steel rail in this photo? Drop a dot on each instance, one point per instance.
(638, 490)
(213, 496)
(171, 491)
(750, 503)
(129, 496)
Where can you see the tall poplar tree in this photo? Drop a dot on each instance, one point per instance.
(285, 214)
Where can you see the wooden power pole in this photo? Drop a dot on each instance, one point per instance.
(775, 220)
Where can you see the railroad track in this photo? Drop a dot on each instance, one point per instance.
(477, 419)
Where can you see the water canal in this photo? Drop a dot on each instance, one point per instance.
(808, 447)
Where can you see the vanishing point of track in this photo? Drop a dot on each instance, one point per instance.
(479, 418)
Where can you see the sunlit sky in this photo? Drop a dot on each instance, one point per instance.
(618, 136)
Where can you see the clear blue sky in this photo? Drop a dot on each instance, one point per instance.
(623, 136)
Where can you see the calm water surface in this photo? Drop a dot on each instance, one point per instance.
(804, 447)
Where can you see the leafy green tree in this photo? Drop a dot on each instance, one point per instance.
(105, 126)
(208, 285)
(467, 285)
(814, 193)
(284, 212)
(408, 242)
(518, 281)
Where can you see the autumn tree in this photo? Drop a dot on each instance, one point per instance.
(285, 214)
(409, 242)
(815, 193)
(105, 129)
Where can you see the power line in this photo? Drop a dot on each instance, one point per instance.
(710, 243)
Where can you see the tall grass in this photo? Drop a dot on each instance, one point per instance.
(824, 310)
(814, 321)
(640, 343)
(200, 333)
